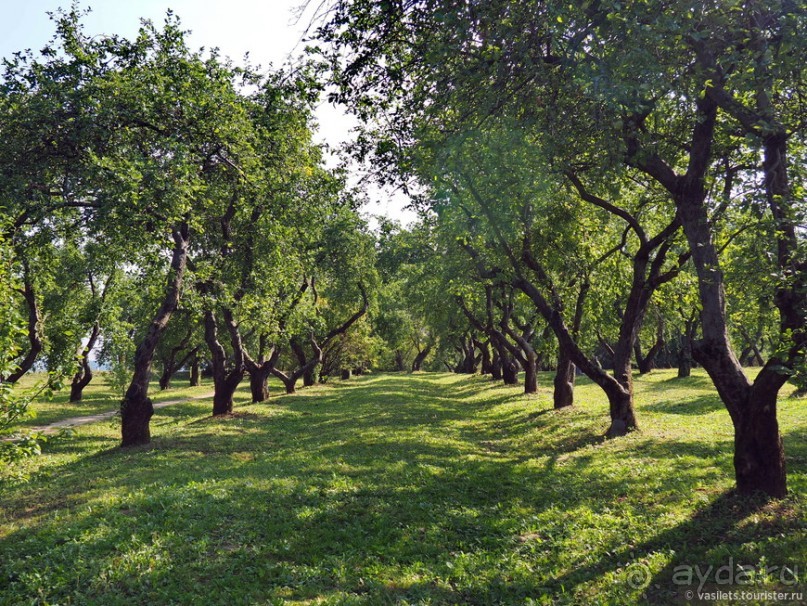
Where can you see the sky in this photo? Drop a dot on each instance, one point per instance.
(269, 30)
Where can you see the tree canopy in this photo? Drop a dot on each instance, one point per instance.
(602, 188)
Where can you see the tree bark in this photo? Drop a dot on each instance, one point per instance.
(259, 384)
(531, 374)
(195, 380)
(225, 381)
(136, 407)
(34, 330)
(421, 356)
(647, 363)
(509, 371)
(623, 416)
(759, 461)
(565, 373)
(260, 370)
(399, 361)
(83, 376)
(685, 358)
(563, 395)
(685, 352)
(496, 365)
(309, 376)
(484, 348)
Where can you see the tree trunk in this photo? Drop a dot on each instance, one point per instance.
(136, 407)
(80, 380)
(620, 397)
(310, 374)
(623, 417)
(83, 376)
(510, 371)
(531, 374)
(759, 461)
(484, 349)
(496, 366)
(194, 378)
(310, 377)
(165, 377)
(224, 388)
(174, 366)
(563, 395)
(34, 331)
(259, 384)
(467, 364)
(755, 356)
(399, 361)
(289, 381)
(417, 363)
(647, 363)
(225, 381)
(685, 353)
(759, 456)
(685, 358)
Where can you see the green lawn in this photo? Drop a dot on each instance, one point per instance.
(98, 397)
(400, 489)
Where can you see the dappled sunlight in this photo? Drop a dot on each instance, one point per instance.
(458, 490)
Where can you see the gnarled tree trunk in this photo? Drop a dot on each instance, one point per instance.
(421, 356)
(759, 461)
(195, 379)
(563, 394)
(647, 363)
(83, 376)
(290, 380)
(34, 330)
(225, 381)
(509, 371)
(136, 407)
(484, 349)
(496, 365)
(260, 369)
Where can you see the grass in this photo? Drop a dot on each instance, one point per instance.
(99, 396)
(401, 489)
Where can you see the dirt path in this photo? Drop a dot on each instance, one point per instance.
(101, 416)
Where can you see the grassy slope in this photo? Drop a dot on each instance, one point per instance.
(424, 489)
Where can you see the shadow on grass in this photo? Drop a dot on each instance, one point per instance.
(692, 406)
(695, 381)
(715, 536)
(390, 489)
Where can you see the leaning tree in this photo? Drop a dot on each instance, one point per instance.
(659, 91)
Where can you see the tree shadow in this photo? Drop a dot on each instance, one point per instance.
(692, 406)
(365, 493)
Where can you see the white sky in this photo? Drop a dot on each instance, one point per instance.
(266, 29)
